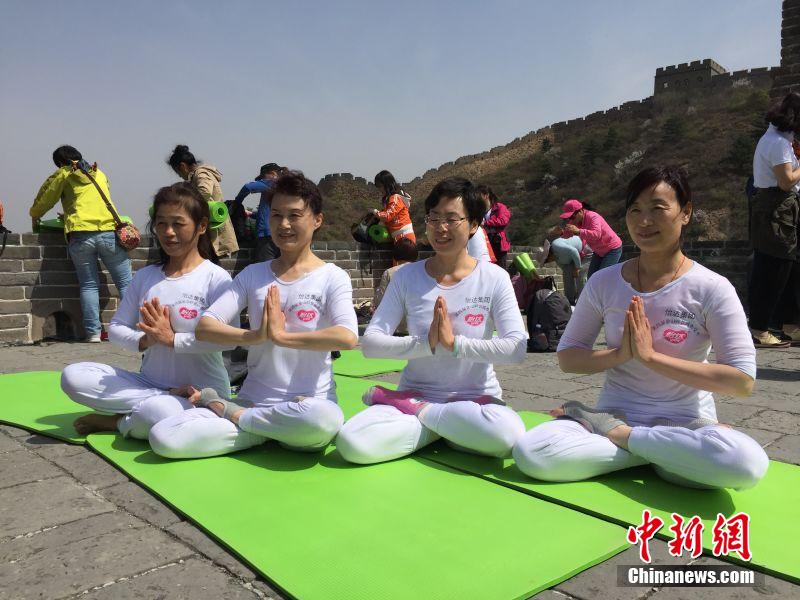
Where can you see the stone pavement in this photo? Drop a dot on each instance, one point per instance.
(72, 526)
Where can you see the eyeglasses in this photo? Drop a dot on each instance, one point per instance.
(448, 223)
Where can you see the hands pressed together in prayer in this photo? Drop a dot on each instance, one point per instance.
(155, 324)
(273, 321)
(441, 330)
(637, 336)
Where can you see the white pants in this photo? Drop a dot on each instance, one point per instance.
(382, 432)
(708, 457)
(111, 390)
(309, 425)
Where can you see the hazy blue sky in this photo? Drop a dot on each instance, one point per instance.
(328, 86)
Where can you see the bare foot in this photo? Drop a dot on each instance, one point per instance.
(95, 422)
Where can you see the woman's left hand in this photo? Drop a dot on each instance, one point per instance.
(156, 324)
(446, 336)
(640, 331)
(277, 320)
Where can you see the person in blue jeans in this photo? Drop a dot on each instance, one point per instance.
(89, 228)
(265, 247)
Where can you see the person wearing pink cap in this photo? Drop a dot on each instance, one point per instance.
(593, 229)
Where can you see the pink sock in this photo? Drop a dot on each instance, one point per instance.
(406, 401)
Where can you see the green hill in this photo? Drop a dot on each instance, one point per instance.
(712, 135)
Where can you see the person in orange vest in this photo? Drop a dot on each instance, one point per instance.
(396, 205)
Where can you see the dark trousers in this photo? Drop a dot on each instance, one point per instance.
(774, 294)
(266, 249)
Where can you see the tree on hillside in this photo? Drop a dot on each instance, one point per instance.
(591, 151)
(673, 130)
(740, 155)
(546, 145)
(610, 143)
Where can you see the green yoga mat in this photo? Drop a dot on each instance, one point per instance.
(319, 528)
(773, 504)
(34, 401)
(353, 364)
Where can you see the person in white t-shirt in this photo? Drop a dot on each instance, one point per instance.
(158, 316)
(662, 314)
(774, 293)
(300, 309)
(452, 304)
(478, 246)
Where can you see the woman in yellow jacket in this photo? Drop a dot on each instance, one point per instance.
(89, 228)
(207, 179)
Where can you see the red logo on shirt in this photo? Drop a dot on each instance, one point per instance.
(187, 313)
(673, 336)
(473, 319)
(306, 315)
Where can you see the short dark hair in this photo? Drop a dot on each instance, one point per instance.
(785, 115)
(458, 187)
(269, 168)
(404, 250)
(294, 183)
(675, 177)
(180, 155)
(64, 155)
(188, 197)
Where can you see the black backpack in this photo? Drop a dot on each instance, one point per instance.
(548, 315)
(360, 230)
(238, 217)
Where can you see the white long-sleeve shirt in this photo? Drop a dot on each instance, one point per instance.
(689, 316)
(320, 299)
(190, 361)
(477, 305)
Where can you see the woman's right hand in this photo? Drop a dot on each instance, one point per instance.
(261, 335)
(625, 351)
(433, 332)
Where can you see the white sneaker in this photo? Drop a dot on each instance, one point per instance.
(95, 339)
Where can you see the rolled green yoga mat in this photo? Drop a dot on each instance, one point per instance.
(321, 529)
(525, 265)
(378, 233)
(218, 212)
(773, 504)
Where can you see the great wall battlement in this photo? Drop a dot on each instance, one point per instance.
(696, 79)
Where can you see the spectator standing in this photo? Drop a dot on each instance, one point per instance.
(90, 231)
(265, 247)
(207, 178)
(495, 223)
(774, 293)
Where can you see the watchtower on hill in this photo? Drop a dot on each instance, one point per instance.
(697, 74)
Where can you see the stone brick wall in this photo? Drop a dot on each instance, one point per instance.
(39, 294)
(788, 76)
